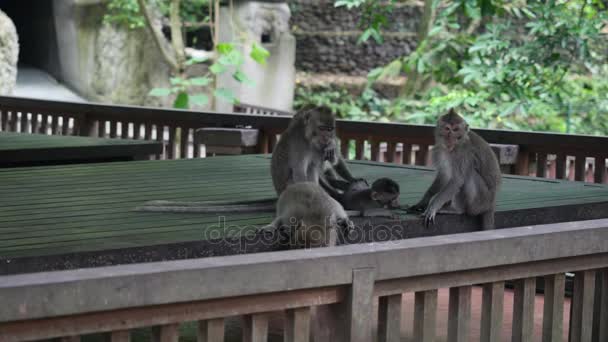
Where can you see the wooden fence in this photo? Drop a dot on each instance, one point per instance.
(553, 155)
(345, 283)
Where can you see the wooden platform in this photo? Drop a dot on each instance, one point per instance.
(69, 216)
(22, 149)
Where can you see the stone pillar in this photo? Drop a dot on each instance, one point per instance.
(9, 55)
(266, 23)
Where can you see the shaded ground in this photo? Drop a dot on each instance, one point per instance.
(36, 83)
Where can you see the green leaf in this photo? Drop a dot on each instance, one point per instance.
(224, 48)
(259, 53)
(160, 92)
(199, 99)
(242, 78)
(225, 94)
(217, 68)
(176, 80)
(181, 101)
(200, 81)
(233, 58)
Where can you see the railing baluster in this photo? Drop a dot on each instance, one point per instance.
(391, 150)
(389, 318)
(23, 124)
(344, 147)
(297, 325)
(492, 311)
(120, 336)
(65, 125)
(183, 142)
(422, 154)
(101, 128)
(255, 328)
(263, 142)
(522, 165)
(541, 165)
(375, 150)
(360, 149)
(553, 311)
(425, 316)
(2, 119)
(160, 137)
(360, 305)
(600, 169)
(124, 130)
(171, 145)
(560, 165)
(211, 330)
(523, 310)
(35, 123)
(14, 121)
(602, 327)
(579, 166)
(406, 155)
(165, 333)
(113, 129)
(582, 307)
(55, 125)
(459, 314)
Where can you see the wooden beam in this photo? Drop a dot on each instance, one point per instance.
(360, 308)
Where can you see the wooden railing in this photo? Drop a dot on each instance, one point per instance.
(550, 155)
(340, 285)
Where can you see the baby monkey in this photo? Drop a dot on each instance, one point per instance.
(468, 174)
(372, 201)
(314, 218)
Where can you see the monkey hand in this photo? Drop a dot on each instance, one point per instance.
(429, 216)
(330, 155)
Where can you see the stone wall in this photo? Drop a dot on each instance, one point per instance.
(9, 53)
(327, 37)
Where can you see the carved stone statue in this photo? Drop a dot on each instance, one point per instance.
(9, 54)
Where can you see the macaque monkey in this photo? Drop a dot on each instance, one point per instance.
(305, 146)
(468, 174)
(313, 218)
(374, 200)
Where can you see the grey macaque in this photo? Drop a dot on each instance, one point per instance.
(371, 201)
(313, 218)
(468, 174)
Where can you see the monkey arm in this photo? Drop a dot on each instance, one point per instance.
(430, 192)
(442, 197)
(343, 170)
(335, 194)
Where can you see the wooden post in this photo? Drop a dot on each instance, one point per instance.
(560, 165)
(425, 316)
(579, 168)
(600, 170)
(581, 321)
(359, 149)
(459, 314)
(120, 336)
(255, 328)
(541, 165)
(406, 155)
(165, 333)
(491, 311)
(344, 147)
(211, 330)
(602, 328)
(522, 165)
(389, 318)
(422, 154)
(553, 311)
(390, 151)
(523, 310)
(360, 305)
(297, 325)
(375, 153)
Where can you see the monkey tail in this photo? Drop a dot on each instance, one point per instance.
(487, 220)
(264, 205)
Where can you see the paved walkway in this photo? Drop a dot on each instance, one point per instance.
(38, 84)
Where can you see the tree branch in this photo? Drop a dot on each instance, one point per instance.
(159, 39)
(176, 34)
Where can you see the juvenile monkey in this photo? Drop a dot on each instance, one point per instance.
(468, 174)
(374, 200)
(314, 217)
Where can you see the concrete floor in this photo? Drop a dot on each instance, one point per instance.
(38, 84)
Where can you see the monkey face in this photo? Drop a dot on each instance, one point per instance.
(321, 129)
(386, 192)
(451, 130)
